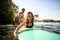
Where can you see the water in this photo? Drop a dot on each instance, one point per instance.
(51, 26)
(6, 32)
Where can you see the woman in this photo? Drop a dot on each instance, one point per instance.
(28, 22)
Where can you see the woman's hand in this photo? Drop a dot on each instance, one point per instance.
(16, 30)
(14, 35)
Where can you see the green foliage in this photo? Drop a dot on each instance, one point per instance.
(7, 10)
(49, 20)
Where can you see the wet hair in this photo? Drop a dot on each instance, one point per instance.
(31, 20)
(23, 8)
(32, 15)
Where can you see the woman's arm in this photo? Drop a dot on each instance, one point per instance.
(16, 30)
(20, 25)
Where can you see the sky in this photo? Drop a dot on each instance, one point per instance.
(46, 9)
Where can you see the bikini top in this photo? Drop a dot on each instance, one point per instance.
(29, 26)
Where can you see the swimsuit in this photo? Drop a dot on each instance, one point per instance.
(29, 26)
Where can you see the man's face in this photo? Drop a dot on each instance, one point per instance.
(23, 10)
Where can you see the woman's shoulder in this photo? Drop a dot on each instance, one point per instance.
(25, 20)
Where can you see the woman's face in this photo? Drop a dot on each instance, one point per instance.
(29, 17)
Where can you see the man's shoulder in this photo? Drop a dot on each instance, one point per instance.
(20, 12)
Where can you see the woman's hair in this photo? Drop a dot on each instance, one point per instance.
(32, 17)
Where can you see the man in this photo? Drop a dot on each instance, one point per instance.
(23, 10)
(22, 13)
(20, 17)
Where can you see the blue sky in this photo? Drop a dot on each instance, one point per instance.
(46, 9)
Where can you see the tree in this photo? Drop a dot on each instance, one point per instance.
(7, 10)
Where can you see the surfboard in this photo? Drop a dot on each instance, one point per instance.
(32, 34)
